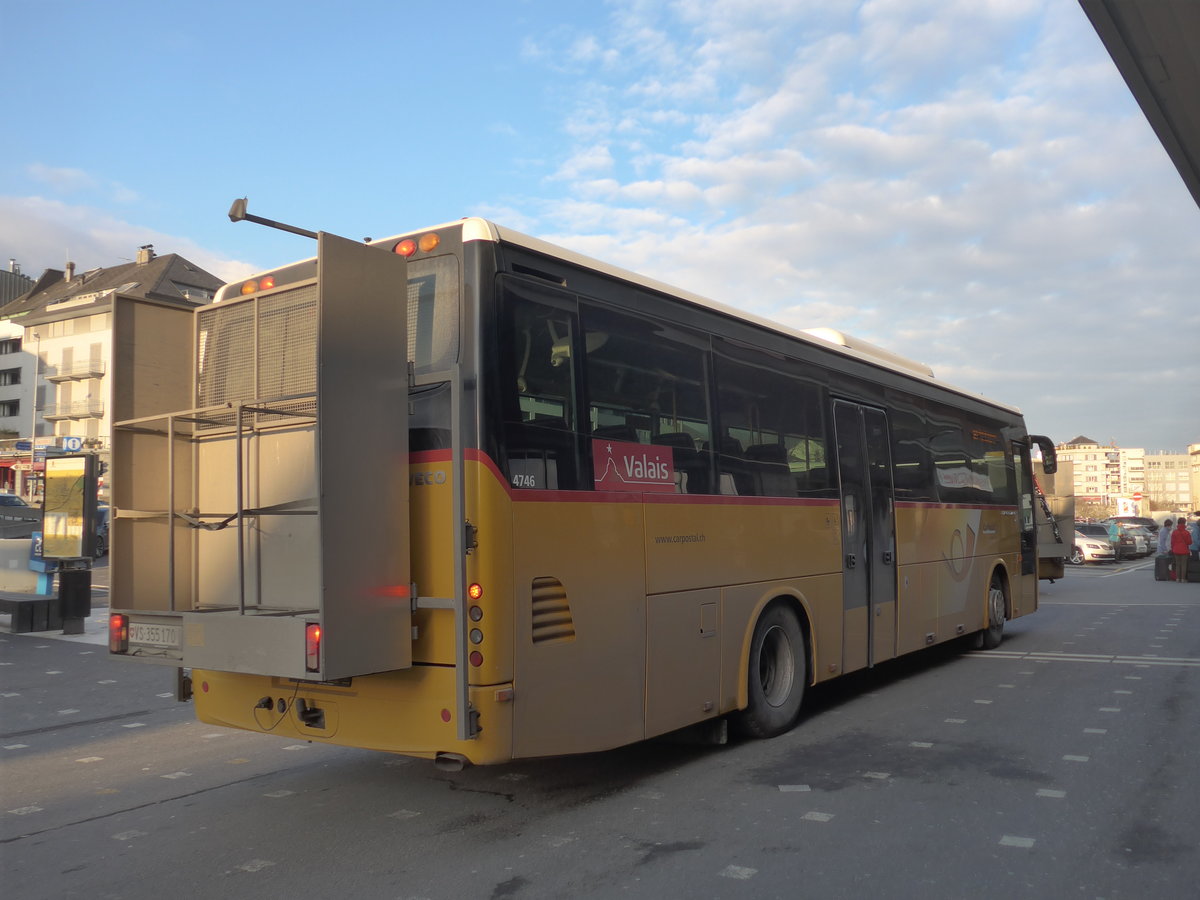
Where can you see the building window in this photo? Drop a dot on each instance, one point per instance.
(9, 376)
(9, 408)
(10, 345)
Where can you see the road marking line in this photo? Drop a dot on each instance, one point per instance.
(1095, 731)
(255, 865)
(921, 744)
(793, 788)
(1047, 792)
(741, 873)
(1012, 841)
(1110, 709)
(955, 721)
(1070, 758)
(983, 702)
(817, 816)
(877, 775)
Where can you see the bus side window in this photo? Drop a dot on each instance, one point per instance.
(647, 384)
(540, 431)
(771, 415)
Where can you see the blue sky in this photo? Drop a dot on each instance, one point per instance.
(968, 183)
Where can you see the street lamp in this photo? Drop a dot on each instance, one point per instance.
(37, 359)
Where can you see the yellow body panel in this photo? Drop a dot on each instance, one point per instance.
(653, 602)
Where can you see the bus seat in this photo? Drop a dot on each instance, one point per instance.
(688, 461)
(769, 467)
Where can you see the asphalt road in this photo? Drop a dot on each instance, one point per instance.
(1066, 764)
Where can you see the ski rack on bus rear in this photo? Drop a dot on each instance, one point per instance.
(266, 531)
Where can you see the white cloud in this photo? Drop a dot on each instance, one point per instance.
(46, 234)
(967, 183)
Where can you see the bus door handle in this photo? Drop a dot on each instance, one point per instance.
(888, 557)
(851, 560)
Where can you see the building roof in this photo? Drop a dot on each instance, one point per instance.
(64, 295)
(1156, 47)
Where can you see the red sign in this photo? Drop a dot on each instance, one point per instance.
(621, 466)
(1137, 498)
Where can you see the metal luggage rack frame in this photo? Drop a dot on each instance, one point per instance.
(218, 419)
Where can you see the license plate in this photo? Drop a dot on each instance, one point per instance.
(156, 635)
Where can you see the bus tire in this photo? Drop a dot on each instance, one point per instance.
(775, 676)
(990, 637)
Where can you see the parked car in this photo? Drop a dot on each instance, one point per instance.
(1147, 542)
(1089, 548)
(100, 546)
(1144, 521)
(17, 518)
(1126, 546)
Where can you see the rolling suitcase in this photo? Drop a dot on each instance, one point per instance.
(1162, 568)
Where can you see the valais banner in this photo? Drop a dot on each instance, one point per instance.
(620, 466)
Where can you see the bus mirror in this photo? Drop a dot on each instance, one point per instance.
(1049, 453)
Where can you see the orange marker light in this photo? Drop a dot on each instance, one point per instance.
(428, 242)
(267, 283)
(475, 591)
(249, 287)
(405, 248)
(312, 647)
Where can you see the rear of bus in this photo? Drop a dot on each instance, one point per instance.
(296, 504)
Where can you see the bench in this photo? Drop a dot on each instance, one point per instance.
(32, 613)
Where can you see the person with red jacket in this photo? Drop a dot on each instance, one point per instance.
(1181, 544)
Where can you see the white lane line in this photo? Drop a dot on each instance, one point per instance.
(1047, 792)
(740, 873)
(1010, 840)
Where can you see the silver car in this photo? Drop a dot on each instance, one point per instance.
(1089, 548)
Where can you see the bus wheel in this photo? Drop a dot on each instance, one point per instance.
(991, 636)
(775, 676)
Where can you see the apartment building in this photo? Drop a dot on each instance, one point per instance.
(1104, 474)
(59, 338)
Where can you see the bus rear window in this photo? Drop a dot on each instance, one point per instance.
(433, 313)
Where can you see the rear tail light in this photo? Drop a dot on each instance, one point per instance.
(118, 633)
(312, 647)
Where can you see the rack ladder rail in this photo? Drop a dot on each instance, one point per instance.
(466, 718)
(1041, 495)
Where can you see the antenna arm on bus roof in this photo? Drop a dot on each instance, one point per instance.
(237, 213)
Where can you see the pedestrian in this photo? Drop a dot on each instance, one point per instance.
(1114, 538)
(1194, 528)
(1181, 545)
(1164, 538)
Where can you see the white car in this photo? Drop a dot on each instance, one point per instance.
(1090, 549)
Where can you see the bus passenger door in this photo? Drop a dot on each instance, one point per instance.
(868, 535)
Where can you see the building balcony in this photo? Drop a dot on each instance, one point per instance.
(82, 409)
(76, 371)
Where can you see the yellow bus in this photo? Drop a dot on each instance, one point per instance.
(582, 510)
